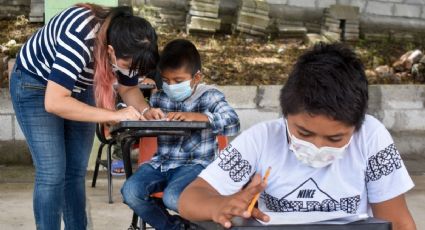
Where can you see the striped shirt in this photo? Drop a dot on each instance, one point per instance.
(62, 50)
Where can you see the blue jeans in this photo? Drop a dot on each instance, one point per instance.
(60, 151)
(147, 180)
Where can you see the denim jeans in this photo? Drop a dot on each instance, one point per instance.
(147, 180)
(60, 150)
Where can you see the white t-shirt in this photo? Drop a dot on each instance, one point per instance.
(371, 171)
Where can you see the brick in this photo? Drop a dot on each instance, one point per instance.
(343, 12)
(233, 96)
(6, 128)
(404, 10)
(302, 3)
(379, 8)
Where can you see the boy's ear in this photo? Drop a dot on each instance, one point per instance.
(198, 77)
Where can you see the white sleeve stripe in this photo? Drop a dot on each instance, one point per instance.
(65, 71)
(72, 36)
(69, 61)
(83, 24)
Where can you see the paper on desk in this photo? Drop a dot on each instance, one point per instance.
(339, 217)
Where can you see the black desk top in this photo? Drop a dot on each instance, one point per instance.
(240, 224)
(158, 125)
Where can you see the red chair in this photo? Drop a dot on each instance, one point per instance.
(148, 147)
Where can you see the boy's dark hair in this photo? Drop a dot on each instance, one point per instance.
(180, 53)
(327, 80)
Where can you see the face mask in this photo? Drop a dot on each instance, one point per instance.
(309, 154)
(121, 71)
(178, 92)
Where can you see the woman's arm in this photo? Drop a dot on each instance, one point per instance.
(132, 96)
(396, 211)
(58, 101)
(200, 201)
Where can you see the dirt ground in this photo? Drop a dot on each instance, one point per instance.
(237, 60)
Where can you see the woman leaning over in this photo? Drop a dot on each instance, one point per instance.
(62, 84)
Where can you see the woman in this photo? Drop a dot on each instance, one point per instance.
(63, 69)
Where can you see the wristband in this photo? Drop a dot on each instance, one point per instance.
(145, 110)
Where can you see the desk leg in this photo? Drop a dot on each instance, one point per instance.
(126, 155)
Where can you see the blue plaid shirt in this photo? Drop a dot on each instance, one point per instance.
(201, 146)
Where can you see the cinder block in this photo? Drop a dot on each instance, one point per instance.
(281, 2)
(6, 128)
(250, 117)
(6, 106)
(419, 2)
(269, 96)
(402, 97)
(404, 10)
(325, 3)
(359, 3)
(18, 134)
(379, 8)
(240, 97)
(403, 120)
(302, 3)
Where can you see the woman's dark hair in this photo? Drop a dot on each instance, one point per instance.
(180, 53)
(131, 37)
(327, 80)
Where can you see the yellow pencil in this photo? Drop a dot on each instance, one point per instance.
(251, 205)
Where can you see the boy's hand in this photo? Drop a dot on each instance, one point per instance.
(237, 204)
(186, 116)
(153, 114)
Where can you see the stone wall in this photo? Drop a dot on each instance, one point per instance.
(400, 107)
(13, 8)
(376, 15)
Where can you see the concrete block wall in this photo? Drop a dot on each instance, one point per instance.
(12, 8)
(400, 107)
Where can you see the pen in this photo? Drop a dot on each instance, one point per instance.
(251, 205)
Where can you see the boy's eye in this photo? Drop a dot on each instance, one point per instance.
(304, 134)
(335, 139)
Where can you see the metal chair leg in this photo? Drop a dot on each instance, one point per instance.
(109, 160)
(96, 168)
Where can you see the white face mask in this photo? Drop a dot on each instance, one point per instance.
(309, 154)
(119, 70)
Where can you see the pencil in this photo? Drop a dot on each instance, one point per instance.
(251, 205)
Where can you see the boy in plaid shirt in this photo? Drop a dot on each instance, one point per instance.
(179, 159)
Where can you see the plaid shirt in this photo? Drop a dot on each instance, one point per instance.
(201, 146)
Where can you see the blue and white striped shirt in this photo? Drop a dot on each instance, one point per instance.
(62, 50)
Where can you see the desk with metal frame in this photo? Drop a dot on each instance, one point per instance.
(127, 132)
(244, 224)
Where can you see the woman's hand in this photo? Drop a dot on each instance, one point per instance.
(126, 114)
(153, 114)
(237, 204)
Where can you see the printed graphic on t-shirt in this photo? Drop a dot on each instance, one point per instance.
(308, 197)
(383, 163)
(231, 160)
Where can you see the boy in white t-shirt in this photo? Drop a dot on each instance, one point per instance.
(326, 155)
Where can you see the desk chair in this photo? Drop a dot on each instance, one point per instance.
(148, 147)
(105, 140)
(102, 134)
